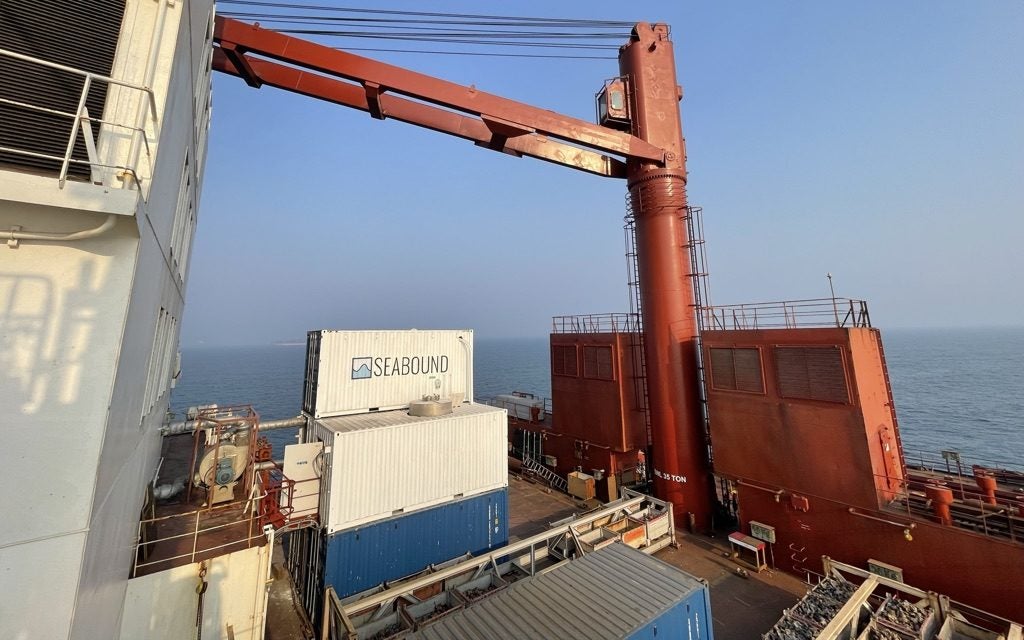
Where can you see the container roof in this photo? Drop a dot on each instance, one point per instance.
(397, 418)
(606, 594)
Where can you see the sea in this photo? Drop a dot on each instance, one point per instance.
(956, 390)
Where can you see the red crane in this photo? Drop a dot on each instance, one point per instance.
(652, 159)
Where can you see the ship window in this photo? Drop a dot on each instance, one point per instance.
(181, 234)
(736, 369)
(597, 363)
(563, 360)
(812, 373)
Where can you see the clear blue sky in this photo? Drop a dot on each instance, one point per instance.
(881, 141)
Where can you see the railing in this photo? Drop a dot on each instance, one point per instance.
(951, 461)
(221, 534)
(210, 531)
(81, 121)
(596, 323)
(791, 314)
(907, 497)
(458, 582)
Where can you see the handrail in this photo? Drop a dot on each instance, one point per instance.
(82, 121)
(596, 323)
(788, 314)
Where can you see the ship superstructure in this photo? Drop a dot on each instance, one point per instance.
(104, 111)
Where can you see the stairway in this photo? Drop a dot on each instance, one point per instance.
(553, 479)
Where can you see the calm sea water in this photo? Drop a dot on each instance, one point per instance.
(960, 389)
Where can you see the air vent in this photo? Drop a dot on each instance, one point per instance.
(80, 35)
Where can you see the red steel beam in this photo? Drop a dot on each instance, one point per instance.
(246, 38)
(658, 197)
(482, 132)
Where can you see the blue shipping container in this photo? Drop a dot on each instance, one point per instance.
(689, 618)
(366, 556)
(613, 593)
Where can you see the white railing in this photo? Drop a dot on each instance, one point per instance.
(80, 120)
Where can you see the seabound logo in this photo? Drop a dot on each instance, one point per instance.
(361, 368)
(369, 367)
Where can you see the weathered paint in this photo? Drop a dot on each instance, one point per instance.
(233, 603)
(821, 448)
(824, 458)
(968, 567)
(690, 618)
(658, 200)
(603, 412)
(612, 593)
(77, 338)
(365, 556)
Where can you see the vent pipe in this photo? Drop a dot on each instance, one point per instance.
(941, 497)
(988, 486)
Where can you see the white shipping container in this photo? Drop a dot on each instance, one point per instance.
(377, 465)
(358, 371)
(522, 407)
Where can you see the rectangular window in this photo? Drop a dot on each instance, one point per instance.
(563, 360)
(184, 218)
(736, 369)
(812, 373)
(597, 363)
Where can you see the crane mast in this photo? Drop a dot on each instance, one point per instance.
(651, 157)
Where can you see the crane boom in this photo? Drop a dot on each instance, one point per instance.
(476, 130)
(261, 56)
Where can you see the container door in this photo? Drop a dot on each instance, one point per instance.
(300, 489)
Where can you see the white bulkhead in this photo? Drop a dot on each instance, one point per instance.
(92, 282)
(376, 465)
(358, 371)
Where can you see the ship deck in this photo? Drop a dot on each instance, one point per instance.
(185, 528)
(743, 608)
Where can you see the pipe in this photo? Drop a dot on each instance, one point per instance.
(147, 82)
(15, 234)
(268, 464)
(268, 531)
(988, 486)
(165, 491)
(901, 525)
(156, 476)
(188, 426)
(941, 498)
(469, 368)
(776, 492)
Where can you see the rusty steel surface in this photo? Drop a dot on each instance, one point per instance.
(598, 411)
(847, 450)
(969, 567)
(830, 476)
(658, 198)
(503, 117)
(350, 95)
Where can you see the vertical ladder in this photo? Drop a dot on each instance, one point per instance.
(637, 334)
(892, 402)
(694, 219)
